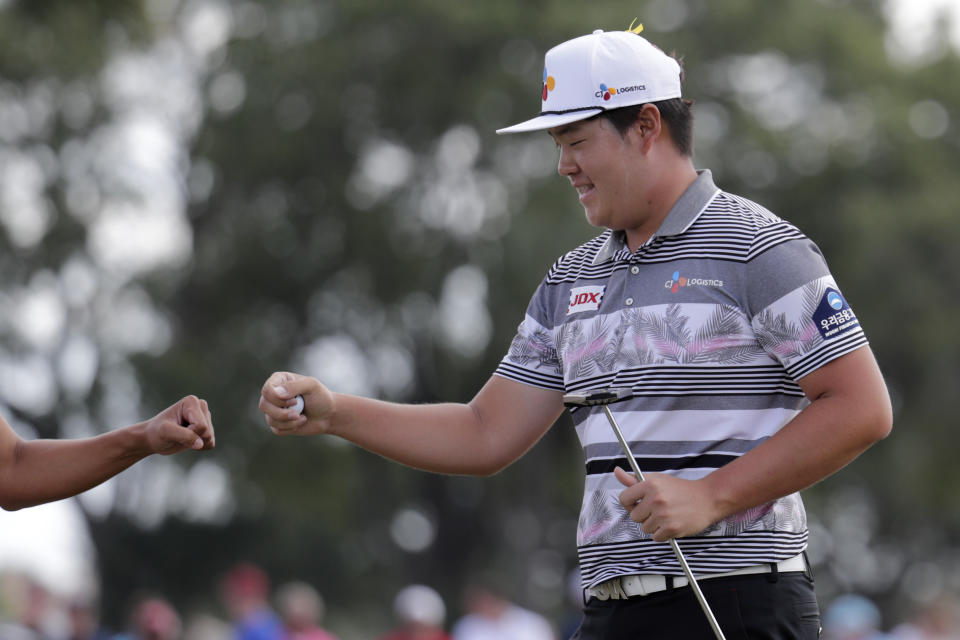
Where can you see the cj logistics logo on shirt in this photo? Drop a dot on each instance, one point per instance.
(678, 281)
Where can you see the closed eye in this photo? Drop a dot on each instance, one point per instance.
(571, 144)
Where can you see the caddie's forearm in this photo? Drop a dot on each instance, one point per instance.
(442, 438)
(46, 470)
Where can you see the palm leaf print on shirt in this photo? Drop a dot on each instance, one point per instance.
(724, 338)
(536, 347)
(587, 352)
(603, 520)
(643, 352)
(667, 333)
(643, 338)
(779, 336)
(785, 339)
(786, 514)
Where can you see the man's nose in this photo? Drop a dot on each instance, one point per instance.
(565, 165)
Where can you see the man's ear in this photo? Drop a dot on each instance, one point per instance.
(648, 125)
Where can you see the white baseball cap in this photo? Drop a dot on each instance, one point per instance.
(604, 70)
(417, 603)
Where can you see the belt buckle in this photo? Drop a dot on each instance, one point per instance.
(600, 592)
(638, 585)
(612, 589)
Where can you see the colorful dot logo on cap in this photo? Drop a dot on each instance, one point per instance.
(606, 92)
(548, 84)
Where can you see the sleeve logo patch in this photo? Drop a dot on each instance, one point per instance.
(834, 316)
(585, 299)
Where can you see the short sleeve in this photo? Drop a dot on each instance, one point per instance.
(533, 357)
(808, 327)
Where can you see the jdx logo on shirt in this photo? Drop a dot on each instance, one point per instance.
(585, 299)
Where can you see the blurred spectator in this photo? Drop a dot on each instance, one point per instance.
(204, 626)
(246, 594)
(14, 595)
(153, 618)
(301, 609)
(491, 616)
(85, 621)
(420, 614)
(852, 617)
(38, 615)
(13, 631)
(936, 620)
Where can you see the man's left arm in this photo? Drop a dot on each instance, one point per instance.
(849, 410)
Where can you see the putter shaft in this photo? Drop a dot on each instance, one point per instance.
(673, 543)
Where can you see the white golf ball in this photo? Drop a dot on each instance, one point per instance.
(299, 406)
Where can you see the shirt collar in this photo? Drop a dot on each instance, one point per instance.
(684, 212)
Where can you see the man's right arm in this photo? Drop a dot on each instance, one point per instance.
(481, 437)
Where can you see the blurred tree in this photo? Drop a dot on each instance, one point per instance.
(198, 193)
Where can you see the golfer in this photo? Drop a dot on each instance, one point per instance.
(33, 472)
(751, 376)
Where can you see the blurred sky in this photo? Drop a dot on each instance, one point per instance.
(913, 22)
(51, 542)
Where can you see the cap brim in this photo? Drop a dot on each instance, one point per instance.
(550, 120)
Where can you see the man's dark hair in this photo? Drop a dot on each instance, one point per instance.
(676, 112)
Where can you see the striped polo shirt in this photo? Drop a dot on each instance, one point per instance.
(711, 323)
